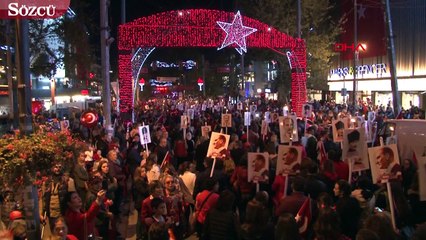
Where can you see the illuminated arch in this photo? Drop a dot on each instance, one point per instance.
(198, 28)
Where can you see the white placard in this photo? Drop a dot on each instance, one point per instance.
(191, 113)
(385, 164)
(239, 106)
(144, 134)
(355, 149)
(264, 128)
(258, 167)
(226, 120)
(184, 121)
(288, 129)
(218, 145)
(288, 160)
(307, 110)
(247, 118)
(338, 127)
(205, 131)
(268, 117)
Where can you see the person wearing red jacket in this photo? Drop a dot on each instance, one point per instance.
(81, 224)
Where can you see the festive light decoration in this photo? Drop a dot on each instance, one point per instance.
(195, 28)
(297, 61)
(200, 28)
(236, 33)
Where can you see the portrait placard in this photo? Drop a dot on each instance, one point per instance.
(338, 127)
(205, 131)
(226, 120)
(218, 145)
(258, 167)
(247, 118)
(144, 134)
(288, 160)
(384, 162)
(355, 149)
(288, 129)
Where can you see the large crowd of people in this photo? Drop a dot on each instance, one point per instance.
(177, 194)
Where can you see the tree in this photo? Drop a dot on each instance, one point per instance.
(63, 43)
(318, 29)
(46, 48)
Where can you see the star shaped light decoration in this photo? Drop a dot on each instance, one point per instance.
(361, 12)
(236, 33)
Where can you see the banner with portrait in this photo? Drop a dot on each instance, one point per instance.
(288, 129)
(247, 118)
(355, 149)
(191, 113)
(268, 117)
(240, 106)
(144, 134)
(218, 145)
(338, 128)
(264, 128)
(65, 124)
(385, 164)
(226, 120)
(258, 167)
(288, 160)
(205, 131)
(307, 110)
(274, 117)
(185, 121)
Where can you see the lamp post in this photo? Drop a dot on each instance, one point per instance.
(200, 83)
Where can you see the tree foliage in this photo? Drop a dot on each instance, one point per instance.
(63, 42)
(318, 28)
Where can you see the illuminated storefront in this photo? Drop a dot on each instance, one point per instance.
(373, 73)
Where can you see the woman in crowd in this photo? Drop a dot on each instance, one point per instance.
(327, 226)
(287, 228)
(204, 201)
(221, 222)
(104, 216)
(60, 231)
(81, 224)
(381, 224)
(140, 192)
(109, 183)
(347, 208)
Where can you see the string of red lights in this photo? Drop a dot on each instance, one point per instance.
(198, 28)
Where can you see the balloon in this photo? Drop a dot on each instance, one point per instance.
(89, 118)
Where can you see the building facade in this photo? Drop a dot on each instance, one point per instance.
(373, 80)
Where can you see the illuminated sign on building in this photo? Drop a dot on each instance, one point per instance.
(378, 69)
(343, 47)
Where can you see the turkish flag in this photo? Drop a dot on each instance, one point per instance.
(370, 29)
(304, 216)
(166, 160)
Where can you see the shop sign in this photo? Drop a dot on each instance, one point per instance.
(343, 47)
(378, 69)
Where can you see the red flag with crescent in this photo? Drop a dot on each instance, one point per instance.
(304, 216)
